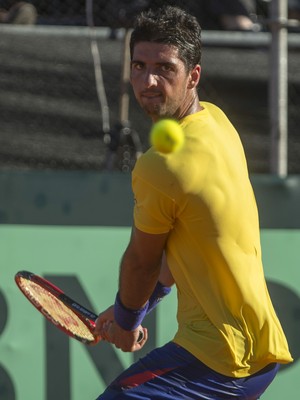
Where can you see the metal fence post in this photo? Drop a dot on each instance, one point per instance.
(278, 87)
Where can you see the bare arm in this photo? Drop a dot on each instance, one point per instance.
(141, 267)
(143, 263)
(165, 276)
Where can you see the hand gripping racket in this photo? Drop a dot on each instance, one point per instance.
(65, 313)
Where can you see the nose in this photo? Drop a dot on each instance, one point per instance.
(150, 79)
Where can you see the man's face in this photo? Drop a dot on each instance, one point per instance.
(160, 81)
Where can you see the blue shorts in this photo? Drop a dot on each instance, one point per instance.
(171, 372)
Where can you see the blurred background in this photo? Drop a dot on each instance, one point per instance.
(70, 133)
(56, 113)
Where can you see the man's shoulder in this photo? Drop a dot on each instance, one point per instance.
(157, 170)
(151, 165)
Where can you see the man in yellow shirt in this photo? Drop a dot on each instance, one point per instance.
(195, 224)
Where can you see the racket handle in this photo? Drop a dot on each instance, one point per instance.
(141, 336)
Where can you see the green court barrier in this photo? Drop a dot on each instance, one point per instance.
(73, 229)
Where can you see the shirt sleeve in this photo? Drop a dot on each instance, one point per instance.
(154, 210)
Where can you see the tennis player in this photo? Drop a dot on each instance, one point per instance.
(195, 221)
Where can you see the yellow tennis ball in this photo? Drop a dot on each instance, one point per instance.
(167, 136)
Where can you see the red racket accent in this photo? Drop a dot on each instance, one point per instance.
(65, 313)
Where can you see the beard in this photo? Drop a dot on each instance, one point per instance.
(158, 111)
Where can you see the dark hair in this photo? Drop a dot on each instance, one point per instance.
(172, 26)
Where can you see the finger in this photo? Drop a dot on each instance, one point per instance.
(108, 331)
(101, 327)
(142, 339)
(141, 336)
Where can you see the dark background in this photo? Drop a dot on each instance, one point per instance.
(49, 111)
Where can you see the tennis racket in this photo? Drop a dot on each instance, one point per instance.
(64, 312)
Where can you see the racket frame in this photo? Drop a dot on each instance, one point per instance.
(86, 316)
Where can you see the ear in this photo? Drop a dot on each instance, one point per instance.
(194, 77)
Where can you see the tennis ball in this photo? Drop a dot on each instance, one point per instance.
(167, 136)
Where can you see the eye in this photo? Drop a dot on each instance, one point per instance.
(166, 68)
(137, 65)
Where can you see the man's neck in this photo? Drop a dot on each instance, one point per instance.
(193, 107)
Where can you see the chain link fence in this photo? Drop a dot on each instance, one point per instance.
(120, 13)
(50, 113)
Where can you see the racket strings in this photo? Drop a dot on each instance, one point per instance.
(55, 310)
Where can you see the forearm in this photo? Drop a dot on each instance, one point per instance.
(161, 289)
(137, 279)
(139, 272)
(165, 276)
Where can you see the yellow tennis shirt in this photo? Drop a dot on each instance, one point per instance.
(202, 196)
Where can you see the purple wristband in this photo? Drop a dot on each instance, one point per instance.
(126, 318)
(159, 292)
